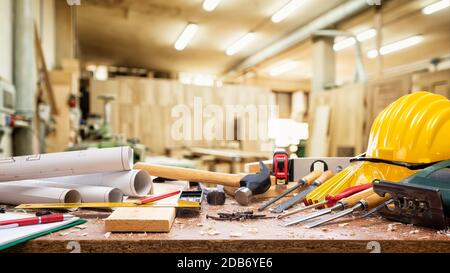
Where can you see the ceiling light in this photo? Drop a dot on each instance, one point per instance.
(286, 10)
(396, 46)
(186, 36)
(366, 35)
(344, 44)
(210, 5)
(362, 36)
(239, 44)
(281, 68)
(435, 7)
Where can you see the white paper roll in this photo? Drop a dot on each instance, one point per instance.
(88, 193)
(66, 163)
(18, 194)
(132, 183)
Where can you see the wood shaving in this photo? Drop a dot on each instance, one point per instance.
(64, 233)
(325, 229)
(414, 231)
(253, 230)
(81, 227)
(107, 234)
(202, 232)
(235, 234)
(84, 234)
(200, 224)
(392, 227)
(343, 225)
(212, 232)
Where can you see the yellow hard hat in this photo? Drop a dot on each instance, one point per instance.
(413, 129)
(410, 134)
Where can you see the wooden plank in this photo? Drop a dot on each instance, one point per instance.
(140, 220)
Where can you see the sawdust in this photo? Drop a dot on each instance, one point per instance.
(200, 224)
(325, 229)
(107, 234)
(415, 231)
(343, 225)
(392, 227)
(212, 231)
(84, 234)
(253, 230)
(81, 227)
(235, 234)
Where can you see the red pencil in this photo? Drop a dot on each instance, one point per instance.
(34, 220)
(153, 198)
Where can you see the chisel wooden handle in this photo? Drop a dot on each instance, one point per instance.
(355, 198)
(374, 200)
(323, 177)
(225, 179)
(309, 178)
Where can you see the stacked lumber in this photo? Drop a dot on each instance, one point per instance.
(143, 109)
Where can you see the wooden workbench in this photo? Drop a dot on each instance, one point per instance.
(191, 235)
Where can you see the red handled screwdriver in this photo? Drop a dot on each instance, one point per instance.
(330, 200)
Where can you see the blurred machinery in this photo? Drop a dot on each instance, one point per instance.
(7, 106)
(97, 132)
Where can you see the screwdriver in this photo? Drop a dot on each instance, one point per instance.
(340, 205)
(305, 180)
(369, 202)
(330, 200)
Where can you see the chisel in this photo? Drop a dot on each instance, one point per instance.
(371, 201)
(305, 180)
(330, 200)
(341, 205)
(300, 196)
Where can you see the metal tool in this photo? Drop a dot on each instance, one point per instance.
(240, 216)
(280, 167)
(303, 181)
(422, 199)
(249, 184)
(330, 200)
(215, 196)
(340, 205)
(371, 201)
(301, 196)
(179, 204)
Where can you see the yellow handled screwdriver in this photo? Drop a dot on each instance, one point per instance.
(370, 202)
(341, 205)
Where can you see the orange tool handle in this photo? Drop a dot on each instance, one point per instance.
(355, 198)
(374, 200)
(333, 199)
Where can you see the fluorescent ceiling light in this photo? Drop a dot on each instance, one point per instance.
(286, 10)
(366, 35)
(186, 36)
(239, 44)
(281, 68)
(362, 36)
(210, 5)
(435, 7)
(396, 46)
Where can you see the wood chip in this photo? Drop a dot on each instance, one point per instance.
(414, 231)
(325, 229)
(81, 227)
(107, 234)
(64, 233)
(253, 230)
(343, 225)
(212, 232)
(200, 224)
(84, 234)
(235, 234)
(392, 227)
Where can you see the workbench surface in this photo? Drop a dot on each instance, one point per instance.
(197, 234)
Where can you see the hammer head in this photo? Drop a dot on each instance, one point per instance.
(253, 184)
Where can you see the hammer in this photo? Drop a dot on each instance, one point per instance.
(249, 184)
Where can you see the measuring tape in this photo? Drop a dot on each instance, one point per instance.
(179, 204)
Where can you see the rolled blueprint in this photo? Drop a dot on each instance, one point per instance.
(66, 163)
(88, 193)
(18, 194)
(131, 183)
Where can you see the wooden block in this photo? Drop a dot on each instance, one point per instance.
(70, 65)
(140, 220)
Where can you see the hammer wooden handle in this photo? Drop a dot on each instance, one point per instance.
(225, 179)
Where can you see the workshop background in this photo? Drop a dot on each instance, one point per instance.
(106, 73)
